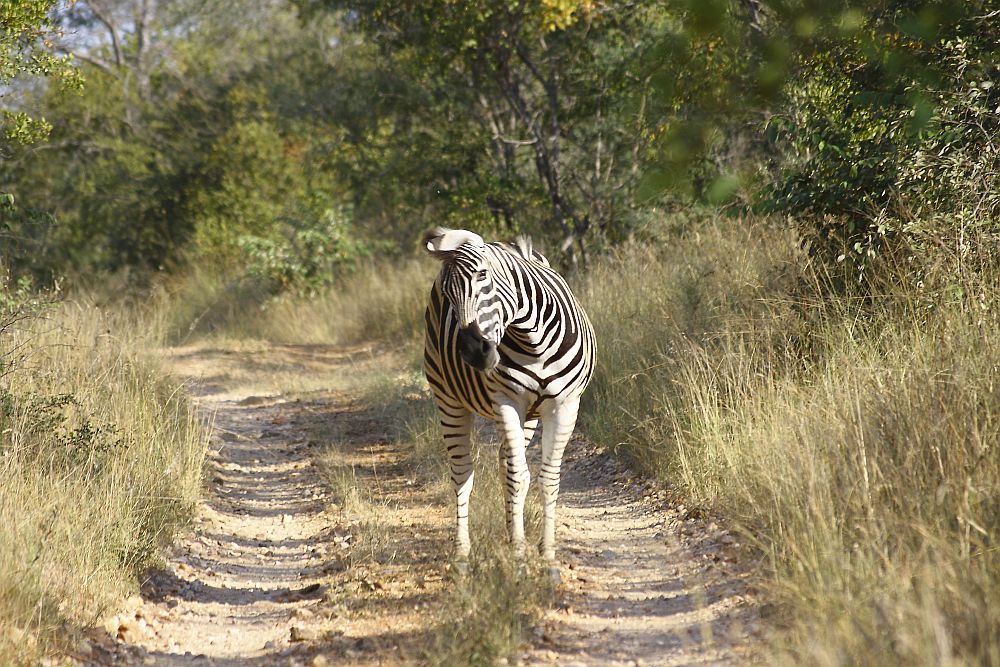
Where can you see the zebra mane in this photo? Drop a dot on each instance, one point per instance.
(522, 247)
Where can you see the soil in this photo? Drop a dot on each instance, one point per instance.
(276, 569)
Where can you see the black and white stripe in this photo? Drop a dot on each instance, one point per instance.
(506, 339)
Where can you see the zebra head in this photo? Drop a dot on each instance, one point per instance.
(467, 283)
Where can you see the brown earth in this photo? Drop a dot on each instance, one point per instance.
(286, 565)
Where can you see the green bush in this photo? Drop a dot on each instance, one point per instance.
(887, 144)
(302, 260)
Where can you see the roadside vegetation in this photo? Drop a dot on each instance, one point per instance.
(850, 438)
(100, 460)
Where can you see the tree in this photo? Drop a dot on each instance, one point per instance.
(549, 86)
(25, 35)
(189, 134)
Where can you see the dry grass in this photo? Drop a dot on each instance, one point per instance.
(379, 300)
(100, 458)
(851, 440)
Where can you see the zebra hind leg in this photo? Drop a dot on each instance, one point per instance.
(456, 430)
(558, 422)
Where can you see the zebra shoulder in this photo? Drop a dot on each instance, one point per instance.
(523, 248)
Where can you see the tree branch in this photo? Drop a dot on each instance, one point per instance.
(111, 28)
(99, 63)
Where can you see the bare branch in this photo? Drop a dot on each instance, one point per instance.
(99, 63)
(112, 29)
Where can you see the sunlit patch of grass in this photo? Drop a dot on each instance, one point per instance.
(100, 459)
(379, 300)
(360, 503)
(488, 613)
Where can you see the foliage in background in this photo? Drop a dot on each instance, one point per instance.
(887, 130)
(203, 123)
(181, 143)
(26, 33)
(550, 95)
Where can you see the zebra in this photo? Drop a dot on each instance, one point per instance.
(507, 340)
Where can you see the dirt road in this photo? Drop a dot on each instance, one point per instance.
(318, 542)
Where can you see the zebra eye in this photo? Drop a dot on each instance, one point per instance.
(481, 275)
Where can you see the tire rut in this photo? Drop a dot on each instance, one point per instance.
(642, 584)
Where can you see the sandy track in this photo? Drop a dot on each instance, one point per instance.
(642, 585)
(273, 571)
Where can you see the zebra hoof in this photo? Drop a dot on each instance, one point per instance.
(554, 576)
(460, 568)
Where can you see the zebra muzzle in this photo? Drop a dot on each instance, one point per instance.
(476, 350)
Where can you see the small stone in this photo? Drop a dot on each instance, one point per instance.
(111, 625)
(319, 661)
(84, 647)
(127, 630)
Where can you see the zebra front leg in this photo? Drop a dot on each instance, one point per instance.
(510, 421)
(558, 422)
(529, 432)
(456, 429)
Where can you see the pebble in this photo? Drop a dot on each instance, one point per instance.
(84, 647)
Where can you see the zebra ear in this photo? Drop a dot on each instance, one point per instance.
(441, 240)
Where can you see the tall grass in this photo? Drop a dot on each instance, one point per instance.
(852, 440)
(100, 458)
(378, 300)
